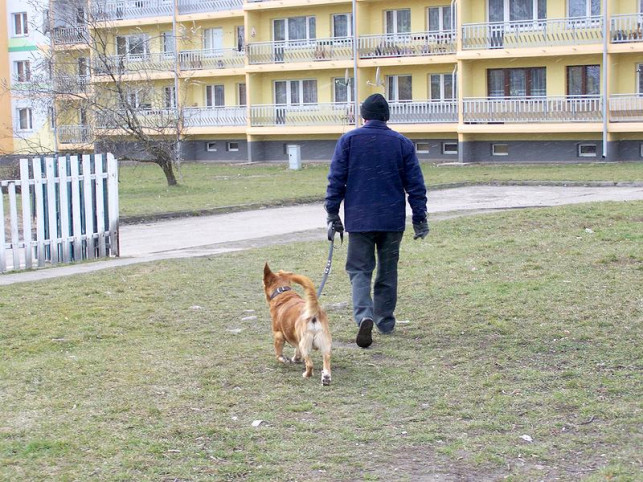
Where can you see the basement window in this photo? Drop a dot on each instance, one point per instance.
(641, 150)
(211, 146)
(422, 147)
(587, 150)
(449, 148)
(232, 146)
(499, 149)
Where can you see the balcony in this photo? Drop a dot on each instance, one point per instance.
(211, 59)
(215, 116)
(626, 108)
(310, 50)
(407, 45)
(71, 36)
(626, 28)
(336, 113)
(206, 6)
(514, 110)
(426, 111)
(106, 10)
(133, 63)
(74, 134)
(65, 84)
(533, 33)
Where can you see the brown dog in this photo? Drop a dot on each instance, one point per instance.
(301, 322)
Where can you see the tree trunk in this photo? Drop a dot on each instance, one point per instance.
(168, 170)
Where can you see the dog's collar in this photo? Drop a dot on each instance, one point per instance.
(278, 291)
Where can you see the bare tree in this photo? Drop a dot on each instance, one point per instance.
(114, 87)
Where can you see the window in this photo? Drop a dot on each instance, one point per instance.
(20, 24)
(135, 47)
(587, 150)
(167, 43)
(240, 36)
(81, 17)
(295, 92)
(398, 21)
(25, 119)
(343, 90)
(584, 8)
(499, 149)
(241, 94)
(294, 28)
(232, 146)
(214, 96)
(213, 39)
(439, 18)
(639, 77)
(516, 10)
(52, 117)
(441, 87)
(422, 147)
(641, 150)
(399, 88)
(169, 97)
(583, 80)
(22, 70)
(516, 82)
(449, 148)
(211, 146)
(342, 25)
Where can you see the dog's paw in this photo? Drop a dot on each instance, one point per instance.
(296, 359)
(283, 359)
(325, 379)
(307, 374)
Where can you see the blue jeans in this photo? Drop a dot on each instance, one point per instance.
(360, 264)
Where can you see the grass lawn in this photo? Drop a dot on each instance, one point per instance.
(143, 190)
(517, 354)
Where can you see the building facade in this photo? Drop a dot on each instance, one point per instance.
(25, 119)
(467, 80)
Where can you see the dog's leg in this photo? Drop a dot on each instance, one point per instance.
(297, 357)
(305, 347)
(279, 347)
(325, 376)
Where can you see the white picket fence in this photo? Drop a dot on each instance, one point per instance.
(61, 210)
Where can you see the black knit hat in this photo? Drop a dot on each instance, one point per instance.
(375, 107)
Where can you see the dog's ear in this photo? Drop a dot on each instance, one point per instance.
(267, 274)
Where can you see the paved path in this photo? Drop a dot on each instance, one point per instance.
(207, 235)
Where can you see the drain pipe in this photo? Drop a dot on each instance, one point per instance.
(355, 83)
(605, 72)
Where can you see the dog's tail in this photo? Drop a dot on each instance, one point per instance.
(312, 303)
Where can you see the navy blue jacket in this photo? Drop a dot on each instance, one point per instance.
(372, 169)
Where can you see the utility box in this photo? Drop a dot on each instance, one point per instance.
(294, 156)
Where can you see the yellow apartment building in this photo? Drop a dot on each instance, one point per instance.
(467, 80)
(6, 131)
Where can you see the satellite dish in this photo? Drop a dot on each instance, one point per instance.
(378, 79)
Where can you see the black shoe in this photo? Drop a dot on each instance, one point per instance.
(364, 337)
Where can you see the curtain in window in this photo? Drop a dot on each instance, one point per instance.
(214, 96)
(639, 74)
(400, 88)
(398, 21)
(538, 82)
(439, 19)
(496, 83)
(521, 10)
(310, 91)
(583, 8)
(342, 92)
(496, 10)
(517, 83)
(593, 80)
(241, 93)
(342, 25)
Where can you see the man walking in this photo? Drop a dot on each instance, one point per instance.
(372, 170)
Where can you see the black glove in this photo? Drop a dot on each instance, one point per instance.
(334, 226)
(421, 229)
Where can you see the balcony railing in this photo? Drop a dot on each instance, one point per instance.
(407, 45)
(336, 48)
(71, 35)
(215, 116)
(533, 33)
(132, 63)
(573, 108)
(626, 28)
(70, 134)
(211, 59)
(426, 111)
(626, 108)
(71, 84)
(337, 113)
(201, 6)
(157, 119)
(127, 9)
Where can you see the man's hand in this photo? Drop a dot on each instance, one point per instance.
(334, 226)
(421, 229)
